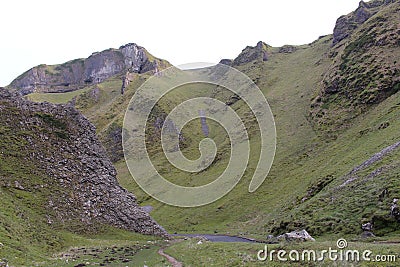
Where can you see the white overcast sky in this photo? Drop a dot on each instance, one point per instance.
(37, 32)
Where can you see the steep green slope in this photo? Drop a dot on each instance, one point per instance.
(365, 66)
(329, 204)
(288, 96)
(305, 160)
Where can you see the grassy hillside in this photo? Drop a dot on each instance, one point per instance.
(56, 98)
(365, 70)
(305, 160)
(40, 177)
(318, 181)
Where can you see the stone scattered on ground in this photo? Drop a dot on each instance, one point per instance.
(367, 234)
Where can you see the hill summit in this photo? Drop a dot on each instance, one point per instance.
(78, 73)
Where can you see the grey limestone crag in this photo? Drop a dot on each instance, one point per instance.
(250, 53)
(345, 25)
(78, 73)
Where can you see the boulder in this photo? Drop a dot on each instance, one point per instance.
(367, 227)
(367, 230)
(367, 234)
(394, 210)
(301, 236)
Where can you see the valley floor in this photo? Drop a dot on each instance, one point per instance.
(197, 252)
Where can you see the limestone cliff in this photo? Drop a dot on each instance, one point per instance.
(78, 73)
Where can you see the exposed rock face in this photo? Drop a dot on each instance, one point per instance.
(204, 125)
(78, 73)
(77, 179)
(395, 210)
(226, 62)
(261, 52)
(125, 83)
(287, 49)
(345, 25)
(250, 53)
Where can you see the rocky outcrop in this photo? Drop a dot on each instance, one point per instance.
(287, 49)
(77, 180)
(226, 61)
(365, 67)
(353, 174)
(125, 83)
(96, 68)
(261, 52)
(250, 53)
(395, 210)
(345, 25)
